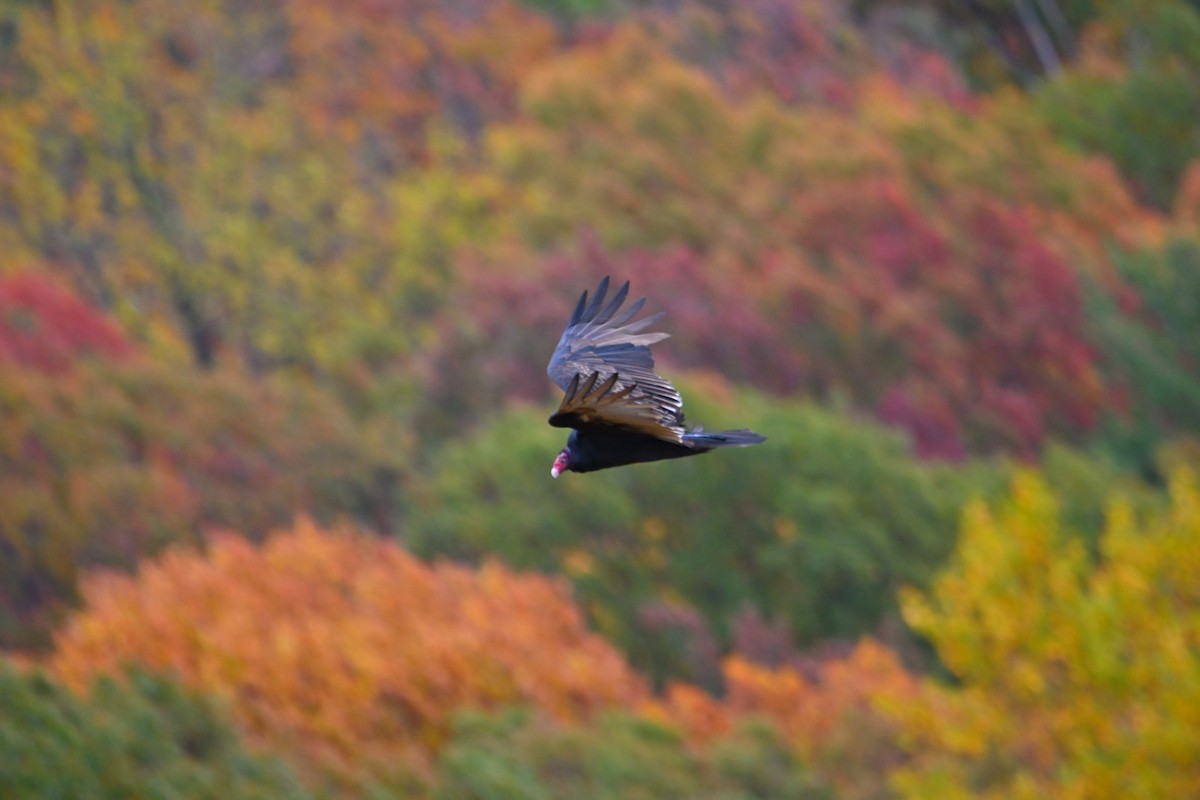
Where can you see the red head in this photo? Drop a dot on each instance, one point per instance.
(561, 464)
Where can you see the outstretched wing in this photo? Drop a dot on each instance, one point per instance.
(604, 366)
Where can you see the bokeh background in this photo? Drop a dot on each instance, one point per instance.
(278, 282)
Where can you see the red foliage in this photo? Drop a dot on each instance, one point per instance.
(45, 326)
(928, 417)
(1029, 360)
(874, 220)
(495, 341)
(700, 654)
(957, 322)
(714, 308)
(755, 639)
(961, 325)
(790, 49)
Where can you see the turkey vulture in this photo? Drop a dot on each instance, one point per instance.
(621, 411)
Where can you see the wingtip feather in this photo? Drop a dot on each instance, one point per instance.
(593, 307)
(578, 313)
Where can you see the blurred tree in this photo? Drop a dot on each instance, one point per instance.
(516, 755)
(134, 736)
(1135, 94)
(1007, 40)
(870, 240)
(1074, 677)
(402, 64)
(106, 463)
(819, 528)
(230, 198)
(971, 341)
(1077, 205)
(833, 716)
(341, 648)
(1150, 348)
(104, 119)
(46, 326)
(203, 173)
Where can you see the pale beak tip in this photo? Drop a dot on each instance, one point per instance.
(554, 472)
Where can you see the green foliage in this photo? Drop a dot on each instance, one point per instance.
(817, 527)
(140, 736)
(1152, 350)
(1135, 95)
(576, 11)
(515, 755)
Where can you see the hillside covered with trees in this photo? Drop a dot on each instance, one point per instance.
(278, 283)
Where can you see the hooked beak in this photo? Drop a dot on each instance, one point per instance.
(560, 464)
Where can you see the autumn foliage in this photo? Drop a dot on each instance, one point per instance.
(841, 216)
(45, 326)
(341, 646)
(1076, 678)
(835, 716)
(105, 463)
(269, 260)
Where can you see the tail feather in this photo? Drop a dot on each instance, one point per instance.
(706, 440)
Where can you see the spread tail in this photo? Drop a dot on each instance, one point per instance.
(706, 440)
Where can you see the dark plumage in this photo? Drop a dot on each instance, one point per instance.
(622, 412)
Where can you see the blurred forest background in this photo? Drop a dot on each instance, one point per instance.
(278, 283)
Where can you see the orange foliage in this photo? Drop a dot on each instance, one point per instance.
(835, 720)
(340, 644)
(392, 67)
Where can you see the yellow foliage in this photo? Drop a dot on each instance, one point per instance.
(1078, 679)
(338, 644)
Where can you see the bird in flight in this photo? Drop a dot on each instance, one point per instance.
(620, 410)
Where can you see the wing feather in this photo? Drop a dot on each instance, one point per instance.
(599, 342)
(586, 404)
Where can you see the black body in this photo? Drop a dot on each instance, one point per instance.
(600, 448)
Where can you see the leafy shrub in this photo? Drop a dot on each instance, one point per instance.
(1135, 95)
(342, 648)
(45, 326)
(134, 736)
(1150, 351)
(818, 527)
(110, 462)
(1073, 676)
(834, 713)
(516, 755)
